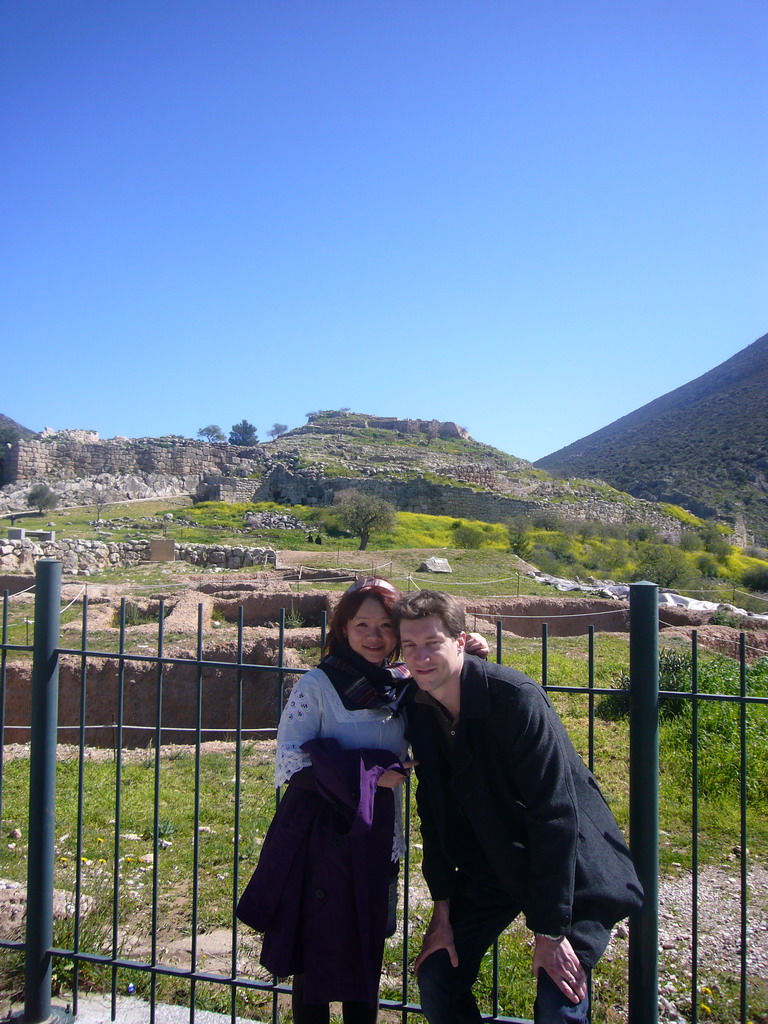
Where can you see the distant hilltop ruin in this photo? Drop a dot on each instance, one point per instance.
(341, 418)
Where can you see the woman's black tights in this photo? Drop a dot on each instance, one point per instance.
(320, 1013)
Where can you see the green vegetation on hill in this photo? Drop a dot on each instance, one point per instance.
(704, 445)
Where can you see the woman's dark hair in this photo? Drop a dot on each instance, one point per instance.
(349, 605)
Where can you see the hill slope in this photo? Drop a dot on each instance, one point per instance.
(703, 445)
(10, 429)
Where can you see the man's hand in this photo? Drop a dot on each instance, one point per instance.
(439, 935)
(557, 958)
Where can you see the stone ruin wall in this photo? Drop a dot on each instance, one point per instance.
(435, 428)
(61, 458)
(459, 502)
(83, 557)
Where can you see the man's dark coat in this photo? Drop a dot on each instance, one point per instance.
(531, 804)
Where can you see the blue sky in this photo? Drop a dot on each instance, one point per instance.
(528, 217)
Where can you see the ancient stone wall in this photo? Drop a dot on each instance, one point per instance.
(459, 502)
(83, 557)
(62, 457)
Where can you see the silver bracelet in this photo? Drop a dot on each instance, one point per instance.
(552, 938)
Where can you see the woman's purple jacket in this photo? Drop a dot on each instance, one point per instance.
(319, 892)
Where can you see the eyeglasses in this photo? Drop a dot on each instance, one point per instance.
(371, 583)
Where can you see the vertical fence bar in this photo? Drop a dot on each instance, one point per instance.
(80, 802)
(591, 699)
(743, 815)
(238, 800)
(544, 654)
(42, 792)
(118, 740)
(644, 798)
(196, 825)
(695, 827)
(156, 806)
(3, 653)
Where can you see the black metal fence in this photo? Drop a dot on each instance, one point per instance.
(37, 946)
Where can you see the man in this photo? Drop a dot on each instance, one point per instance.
(511, 821)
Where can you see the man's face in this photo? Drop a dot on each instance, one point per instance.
(434, 658)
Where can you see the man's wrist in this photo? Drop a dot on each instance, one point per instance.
(552, 938)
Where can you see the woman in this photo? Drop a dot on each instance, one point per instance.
(325, 889)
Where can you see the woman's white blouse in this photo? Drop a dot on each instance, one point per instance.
(314, 710)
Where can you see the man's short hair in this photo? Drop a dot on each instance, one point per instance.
(423, 603)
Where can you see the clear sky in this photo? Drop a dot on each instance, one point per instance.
(528, 216)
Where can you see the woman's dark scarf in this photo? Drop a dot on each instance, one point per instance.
(360, 684)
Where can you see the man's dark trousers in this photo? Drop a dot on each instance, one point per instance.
(479, 914)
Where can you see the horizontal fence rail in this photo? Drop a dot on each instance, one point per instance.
(140, 897)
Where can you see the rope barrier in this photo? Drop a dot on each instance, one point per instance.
(344, 568)
(75, 598)
(472, 583)
(20, 592)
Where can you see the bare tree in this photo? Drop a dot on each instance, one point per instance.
(278, 429)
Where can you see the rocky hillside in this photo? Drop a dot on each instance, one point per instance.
(417, 465)
(432, 467)
(703, 446)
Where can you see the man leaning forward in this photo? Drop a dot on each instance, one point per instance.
(512, 821)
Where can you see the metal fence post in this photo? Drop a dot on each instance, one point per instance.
(42, 792)
(644, 798)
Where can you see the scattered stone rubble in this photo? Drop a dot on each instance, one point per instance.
(275, 521)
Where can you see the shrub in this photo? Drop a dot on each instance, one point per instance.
(707, 565)
(675, 669)
(42, 498)
(689, 541)
(520, 542)
(722, 617)
(756, 578)
(664, 565)
(467, 536)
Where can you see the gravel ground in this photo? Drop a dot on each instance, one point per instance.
(719, 937)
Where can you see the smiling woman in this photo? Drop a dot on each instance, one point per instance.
(324, 892)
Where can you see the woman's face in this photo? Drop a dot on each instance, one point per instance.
(370, 632)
